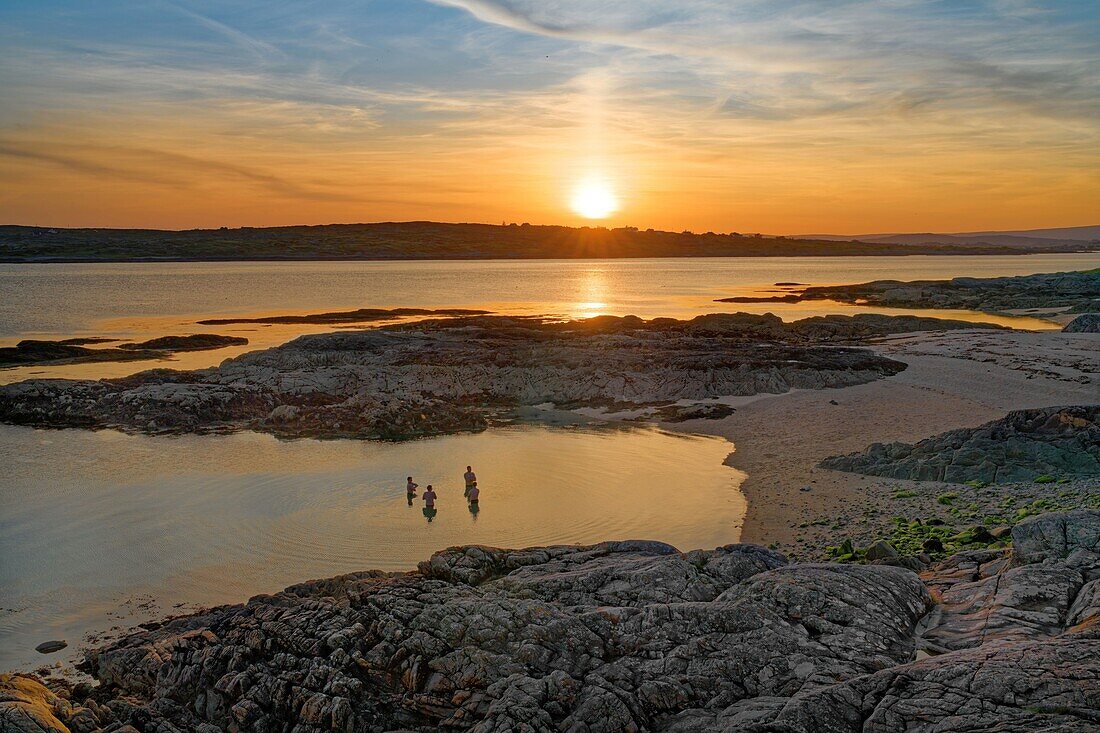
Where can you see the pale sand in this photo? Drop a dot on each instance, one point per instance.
(953, 380)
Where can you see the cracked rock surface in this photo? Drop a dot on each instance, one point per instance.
(452, 375)
(631, 636)
(1024, 445)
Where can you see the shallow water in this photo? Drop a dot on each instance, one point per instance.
(143, 300)
(101, 529)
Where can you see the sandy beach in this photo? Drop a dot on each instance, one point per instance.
(953, 380)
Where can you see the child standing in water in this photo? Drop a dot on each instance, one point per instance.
(410, 490)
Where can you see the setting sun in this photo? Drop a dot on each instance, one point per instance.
(594, 199)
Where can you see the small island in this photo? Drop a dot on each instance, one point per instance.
(30, 352)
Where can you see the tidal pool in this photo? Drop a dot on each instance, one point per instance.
(103, 529)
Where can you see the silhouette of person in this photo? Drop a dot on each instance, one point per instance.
(410, 490)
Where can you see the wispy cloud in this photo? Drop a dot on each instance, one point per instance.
(241, 39)
(710, 113)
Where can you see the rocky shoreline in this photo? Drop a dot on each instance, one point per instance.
(1044, 296)
(458, 374)
(623, 636)
(1042, 444)
(73, 351)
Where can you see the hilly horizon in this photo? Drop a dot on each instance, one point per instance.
(1005, 238)
(440, 240)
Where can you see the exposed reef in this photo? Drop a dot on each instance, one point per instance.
(31, 351)
(1073, 292)
(194, 342)
(361, 315)
(448, 375)
(71, 351)
(624, 636)
(1024, 445)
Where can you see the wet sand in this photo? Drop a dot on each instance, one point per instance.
(954, 380)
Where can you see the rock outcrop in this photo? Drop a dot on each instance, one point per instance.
(1025, 445)
(1077, 292)
(632, 636)
(72, 351)
(1087, 323)
(193, 342)
(360, 315)
(27, 706)
(450, 375)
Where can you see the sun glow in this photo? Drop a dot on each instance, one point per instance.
(594, 199)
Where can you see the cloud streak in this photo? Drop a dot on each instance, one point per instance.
(715, 114)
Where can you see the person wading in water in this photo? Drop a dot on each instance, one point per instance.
(429, 502)
(471, 480)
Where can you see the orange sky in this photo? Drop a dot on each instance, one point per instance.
(712, 116)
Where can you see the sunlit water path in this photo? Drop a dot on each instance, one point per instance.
(143, 300)
(101, 529)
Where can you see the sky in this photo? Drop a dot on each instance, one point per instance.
(776, 116)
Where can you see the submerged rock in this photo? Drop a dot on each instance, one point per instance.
(49, 647)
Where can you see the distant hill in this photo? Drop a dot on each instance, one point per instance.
(1081, 234)
(1044, 240)
(433, 240)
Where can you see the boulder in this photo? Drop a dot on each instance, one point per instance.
(1022, 446)
(1085, 323)
(1070, 536)
(48, 647)
(881, 550)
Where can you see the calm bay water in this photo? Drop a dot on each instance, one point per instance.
(143, 300)
(102, 530)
